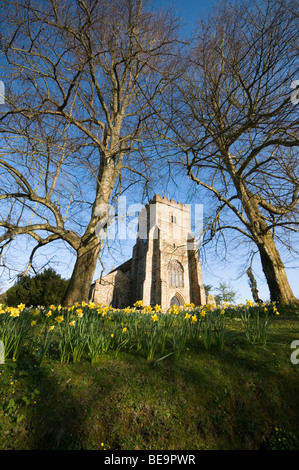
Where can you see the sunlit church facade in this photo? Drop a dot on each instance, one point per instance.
(165, 267)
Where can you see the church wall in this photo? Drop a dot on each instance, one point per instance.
(171, 251)
(197, 292)
(113, 289)
(174, 220)
(164, 230)
(138, 268)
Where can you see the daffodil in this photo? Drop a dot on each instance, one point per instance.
(275, 310)
(79, 312)
(174, 309)
(14, 312)
(148, 309)
(59, 319)
(155, 317)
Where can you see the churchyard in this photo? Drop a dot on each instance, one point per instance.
(193, 378)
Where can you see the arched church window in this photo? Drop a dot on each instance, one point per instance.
(175, 274)
(175, 301)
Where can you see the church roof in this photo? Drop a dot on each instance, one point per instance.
(125, 267)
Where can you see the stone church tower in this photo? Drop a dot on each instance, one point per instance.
(165, 268)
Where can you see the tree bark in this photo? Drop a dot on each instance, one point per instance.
(79, 286)
(91, 242)
(274, 270)
(272, 265)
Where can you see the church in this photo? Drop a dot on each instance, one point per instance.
(165, 267)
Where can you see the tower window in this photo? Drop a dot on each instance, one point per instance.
(175, 274)
(173, 219)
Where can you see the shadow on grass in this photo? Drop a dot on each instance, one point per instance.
(230, 398)
(56, 421)
(249, 393)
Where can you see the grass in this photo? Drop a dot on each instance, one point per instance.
(234, 394)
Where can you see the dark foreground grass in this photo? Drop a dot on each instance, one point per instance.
(238, 397)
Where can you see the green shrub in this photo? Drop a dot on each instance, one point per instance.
(45, 288)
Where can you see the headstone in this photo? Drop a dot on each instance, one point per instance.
(211, 300)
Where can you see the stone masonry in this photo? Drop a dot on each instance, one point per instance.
(165, 268)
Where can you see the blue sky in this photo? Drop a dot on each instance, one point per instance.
(230, 271)
(188, 9)
(215, 269)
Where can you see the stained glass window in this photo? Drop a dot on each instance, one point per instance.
(175, 274)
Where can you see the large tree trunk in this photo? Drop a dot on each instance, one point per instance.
(87, 254)
(274, 270)
(79, 286)
(273, 267)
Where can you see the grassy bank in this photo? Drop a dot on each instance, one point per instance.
(231, 394)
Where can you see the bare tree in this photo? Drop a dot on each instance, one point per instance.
(79, 77)
(236, 128)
